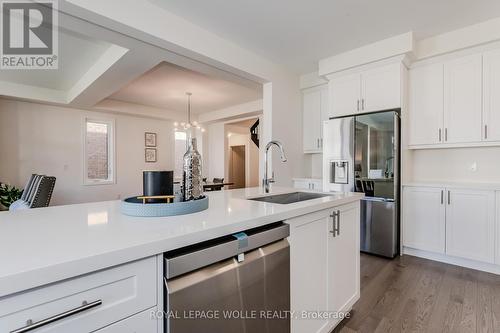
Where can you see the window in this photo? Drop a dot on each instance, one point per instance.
(180, 150)
(99, 152)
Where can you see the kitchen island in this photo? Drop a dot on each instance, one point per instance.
(41, 248)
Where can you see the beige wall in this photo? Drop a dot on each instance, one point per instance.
(36, 138)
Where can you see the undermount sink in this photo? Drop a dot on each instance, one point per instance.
(289, 198)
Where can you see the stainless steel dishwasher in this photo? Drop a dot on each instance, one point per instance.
(237, 283)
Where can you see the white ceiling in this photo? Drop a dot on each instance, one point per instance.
(77, 53)
(297, 33)
(165, 87)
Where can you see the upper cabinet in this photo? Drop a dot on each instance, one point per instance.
(345, 92)
(381, 88)
(491, 97)
(462, 99)
(373, 89)
(426, 96)
(314, 112)
(454, 103)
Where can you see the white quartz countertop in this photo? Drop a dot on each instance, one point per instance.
(44, 245)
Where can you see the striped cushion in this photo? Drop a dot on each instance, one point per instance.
(27, 187)
(33, 188)
(43, 192)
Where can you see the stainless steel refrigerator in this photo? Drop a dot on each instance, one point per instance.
(361, 153)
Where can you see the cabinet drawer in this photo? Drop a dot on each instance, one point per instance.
(139, 323)
(111, 295)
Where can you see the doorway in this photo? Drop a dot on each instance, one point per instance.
(237, 162)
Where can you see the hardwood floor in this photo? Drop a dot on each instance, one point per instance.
(410, 294)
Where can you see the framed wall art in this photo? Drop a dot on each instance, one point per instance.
(150, 155)
(150, 139)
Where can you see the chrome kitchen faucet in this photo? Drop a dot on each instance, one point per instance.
(267, 181)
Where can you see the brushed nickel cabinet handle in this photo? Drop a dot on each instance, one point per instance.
(333, 231)
(442, 197)
(358, 105)
(362, 104)
(449, 199)
(486, 131)
(440, 138)
(338, 222)
(446, 134)
(30, 325)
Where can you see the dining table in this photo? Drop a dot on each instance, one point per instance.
(211, 186)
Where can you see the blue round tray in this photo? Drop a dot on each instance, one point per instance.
(134, 207)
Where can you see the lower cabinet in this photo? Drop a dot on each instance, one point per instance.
(86, 303)
(470, 224)
(324, 250)
(309, 269)
(308, 184)
(424, 218)
(343, 262)
(139, 323)
(451, 221)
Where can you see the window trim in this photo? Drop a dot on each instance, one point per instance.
(111, 151)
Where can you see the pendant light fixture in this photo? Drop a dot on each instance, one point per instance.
(184, 126)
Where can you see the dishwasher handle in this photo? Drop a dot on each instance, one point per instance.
(203, 254)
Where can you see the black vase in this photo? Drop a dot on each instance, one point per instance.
(157, 183)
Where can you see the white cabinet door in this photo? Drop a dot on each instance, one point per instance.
(424, 223)
(491, 97)
(139, 323)
(301, 184)
(426, 105)
(463, 99)
(308, 268)
(325, 109)
(343, 262)
(316, 184)
(345, 95)
(470, 224)
(381, 88)
(311, 111)
(497, 224)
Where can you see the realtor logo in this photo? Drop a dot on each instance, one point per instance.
(29, 34)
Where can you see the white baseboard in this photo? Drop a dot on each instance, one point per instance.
(477, 265)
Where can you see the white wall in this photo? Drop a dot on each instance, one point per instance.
(233, 112)
(456, 164)
(216, 150)
(36, 138)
